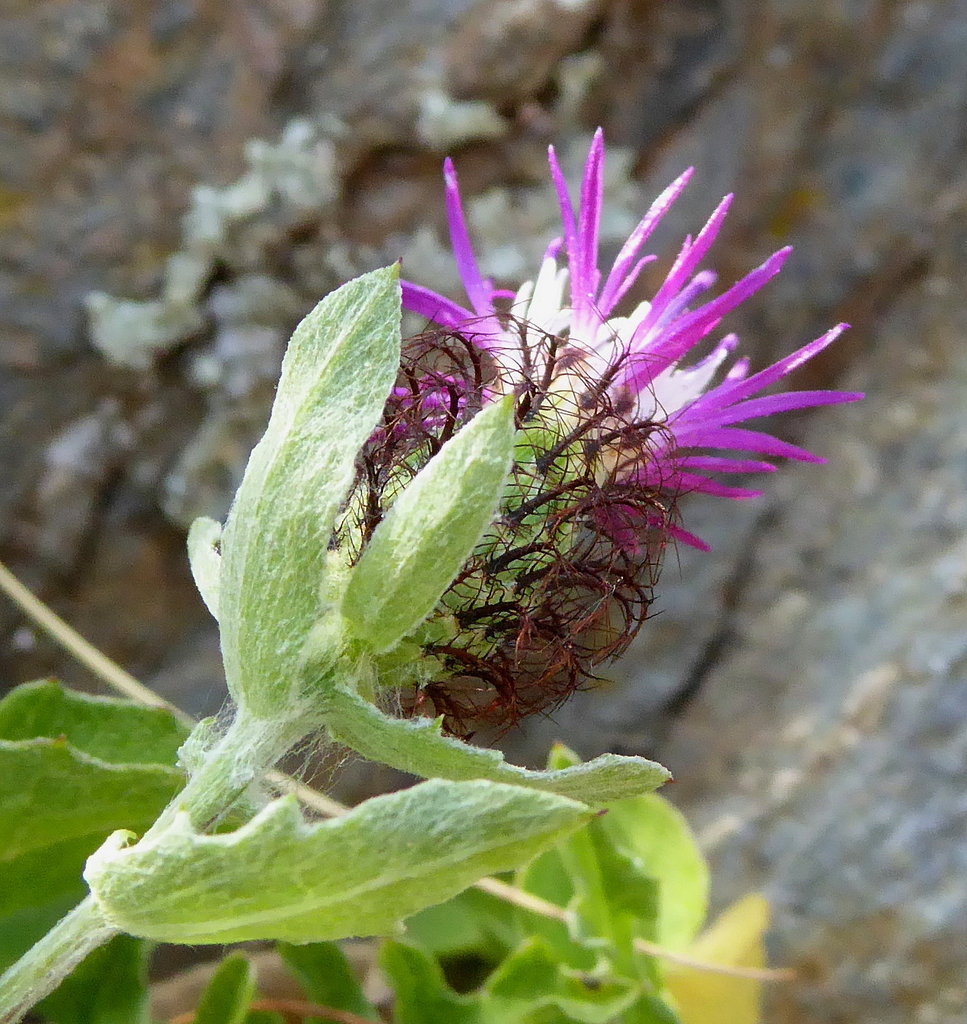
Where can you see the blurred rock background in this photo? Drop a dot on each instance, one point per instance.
(181, 179)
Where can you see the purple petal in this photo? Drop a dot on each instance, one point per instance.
(567, 210)
(728, 394)
(689, 483)
(584, 273)
(466, 262)
(620, 280)
(687, 260)
(692, 327)
(434, 307)
(691, 539)
(718, 464)
(786, 402)
(699, 435)
(623, 288)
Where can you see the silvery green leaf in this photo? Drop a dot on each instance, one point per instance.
(205, 560)
(419, 746)
(278, 877)
(336, 375)
(431, 530)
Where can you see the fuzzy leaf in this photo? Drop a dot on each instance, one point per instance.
(227, 997)
(68, 778)
(431, 530)
(418, 746)
(336, 375)
(205, 560)
(109, 728)
(278, 877)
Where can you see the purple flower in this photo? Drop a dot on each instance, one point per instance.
(639, 359)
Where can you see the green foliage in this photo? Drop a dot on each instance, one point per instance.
(337, 372)
(74, 768)
(109, 987)
(632, 873)
(278, 877)
(324, 973)
(430, 530)
(228, 995)
(112, 730)
(418, 746)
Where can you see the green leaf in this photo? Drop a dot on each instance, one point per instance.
(326, 977)
(422, 995)
(36, 877)
(110, 986)
(228, 995)
(50, 792)
(473, 923)
(336, 375)
(545, 876)
(418, 746)
(734, 939)
(278, 877)
(431, 530)
(20, 929)
(655, 835)
(113, 730)
(532, 982)
(68, 778)
(206, 560)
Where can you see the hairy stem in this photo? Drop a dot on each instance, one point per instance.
(45, 965)
(249, 748)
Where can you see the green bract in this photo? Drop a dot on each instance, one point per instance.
(431, 530)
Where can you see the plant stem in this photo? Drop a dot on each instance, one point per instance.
(45, 965)
(247, 750)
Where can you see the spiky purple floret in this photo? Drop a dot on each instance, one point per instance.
(641, 355)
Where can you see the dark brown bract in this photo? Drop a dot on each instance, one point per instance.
(563, 579)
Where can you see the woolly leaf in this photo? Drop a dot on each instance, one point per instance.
(336, 375)
(69, 776)
(360, 874)
(418, 746)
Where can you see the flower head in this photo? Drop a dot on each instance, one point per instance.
(614, 424)
(640, 359)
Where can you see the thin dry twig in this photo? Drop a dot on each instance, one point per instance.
(123, 682)
(528, 901)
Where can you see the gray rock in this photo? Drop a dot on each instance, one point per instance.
(823, 760)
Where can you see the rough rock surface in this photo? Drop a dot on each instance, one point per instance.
(181, 180)
(823, 759)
